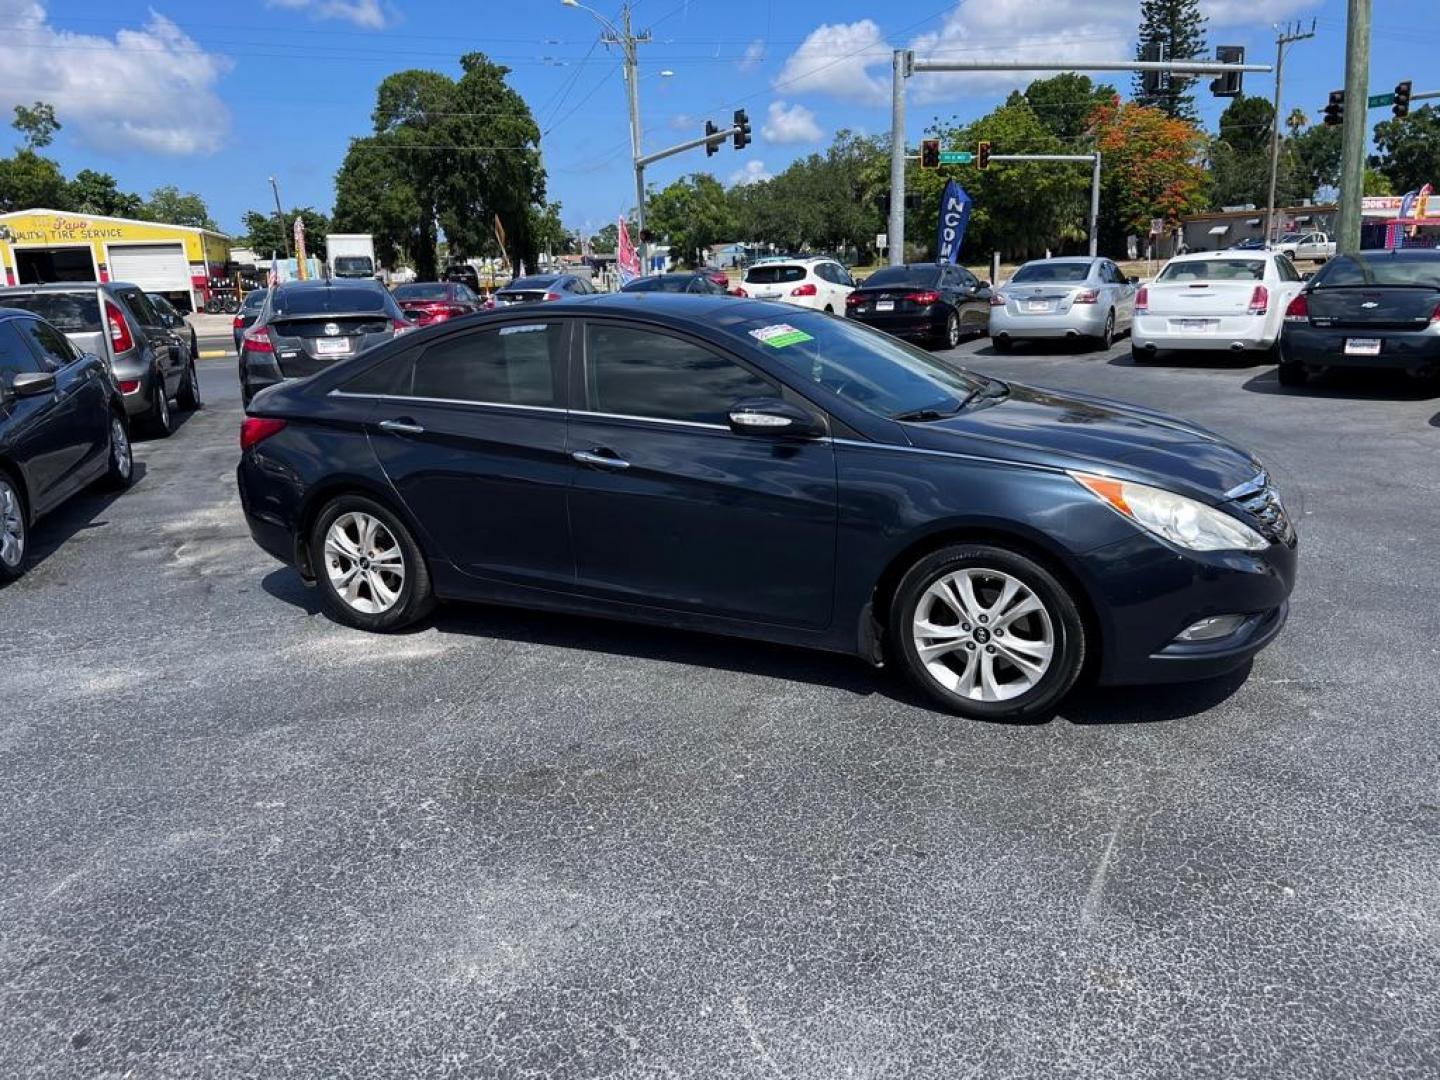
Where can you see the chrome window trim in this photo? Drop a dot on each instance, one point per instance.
(447, 401)
(649, 419)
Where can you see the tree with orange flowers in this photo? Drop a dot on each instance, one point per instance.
(1151, 168)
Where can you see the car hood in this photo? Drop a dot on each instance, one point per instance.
(1075, 431)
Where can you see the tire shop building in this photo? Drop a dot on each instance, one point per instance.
(179, 261)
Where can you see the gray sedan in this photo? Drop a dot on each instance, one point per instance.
(1063, 298)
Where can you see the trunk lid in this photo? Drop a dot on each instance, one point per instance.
(1374, 307)
(305, 344)
(1041, 298)
(1201, 298)
(888, 301)
(520, 296)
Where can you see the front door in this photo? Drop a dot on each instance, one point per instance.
(471, 431)
(671, 509)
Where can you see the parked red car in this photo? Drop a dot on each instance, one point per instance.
(427, 302)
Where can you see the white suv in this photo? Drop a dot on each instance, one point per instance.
(819, 283)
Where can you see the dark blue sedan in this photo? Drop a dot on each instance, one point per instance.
(760, 470)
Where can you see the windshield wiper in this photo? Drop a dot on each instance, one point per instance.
(925, 414)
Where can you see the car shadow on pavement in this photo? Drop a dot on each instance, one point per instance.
(1047, 347)
(1197, 360)
(699, 650)
(72, 517)
(1372, 385)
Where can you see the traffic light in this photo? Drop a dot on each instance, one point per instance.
(711, 146)
(1401, 108)
(982, 154)
(742, 129)
(930, 154)
(1335, 110)
(1152, 53)
(1230, 83)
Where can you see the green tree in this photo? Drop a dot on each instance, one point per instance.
(692, 213)
(607, 240)
(1316, 155)
(549, 231)
(94, 192)
(1178, 27)
(1246, 124)
(37, 124)
(261, 232)
(1409, 149)
(1064, 102)
(28, 181)
(170, 205)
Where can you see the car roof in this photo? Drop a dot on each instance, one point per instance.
(1066, 259)
(66, 286)
(1223, 253)
(330, 283)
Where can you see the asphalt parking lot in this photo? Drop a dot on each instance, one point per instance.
(241, 841)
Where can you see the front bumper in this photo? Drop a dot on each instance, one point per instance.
(1082, 320)
(1221, 332)
(1313, 346)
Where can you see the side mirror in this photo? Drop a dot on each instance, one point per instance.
(33, 384)
(1307, 275)
(1133, 279)
(774, 418)
(985, 283)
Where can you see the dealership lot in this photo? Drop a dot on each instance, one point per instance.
(242, 841)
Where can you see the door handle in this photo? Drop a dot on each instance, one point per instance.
(586, 457)
(402, 427)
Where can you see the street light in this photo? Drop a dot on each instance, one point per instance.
(280, 216)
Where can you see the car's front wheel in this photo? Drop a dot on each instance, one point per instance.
(987, 633)
(368, 566)
(13, 531)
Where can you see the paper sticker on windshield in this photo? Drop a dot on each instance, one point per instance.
(780, 335)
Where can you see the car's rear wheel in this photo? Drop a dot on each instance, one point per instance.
(987, 633)
(14, 535)
(1139, 357)
(1002, 344)
(1292, 374)
(121, 470)
(1107, 336)
(951, 337)
(189, 395)
(370, 571)
(161, 422)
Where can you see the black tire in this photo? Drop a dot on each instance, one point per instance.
(950, 335)
(1292, 375)
(160, 421)
(120, 473)
(15, 521)
(1140, 357)
(1107, 336)
(416, 595)
(194, 345)
(1002, 344)
(829, 310)
(1061, 617)
(189, 396)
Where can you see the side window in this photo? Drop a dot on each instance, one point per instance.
(967, 279)
(140, 305)
(631, 372)
(822, 271)
(16, 357)
(520, 364)
(1288, 270)
(52, 348)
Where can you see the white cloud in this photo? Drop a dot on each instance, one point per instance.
(371, 14)
(754, 53)
(151, 89)
(753, 173)
(793, 125)
(837, 60)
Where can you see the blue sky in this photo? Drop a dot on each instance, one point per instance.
(216, 98)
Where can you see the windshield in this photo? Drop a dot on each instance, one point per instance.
(875, 371)
(70, 313)
(1290, 238)
(925, 277)
(773, 275)
(1052, 271)
(324, 301)
(1380, 268)
(432, 290)
(1214, 270)
(354, 265)
(526, 284)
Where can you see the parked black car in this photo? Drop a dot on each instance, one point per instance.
(172, 318)
(701, 282)
(308, 325)
(923, 302)
(763, 470)
(249, 311)
(62, 426)
(539, 288)
(1372, 309)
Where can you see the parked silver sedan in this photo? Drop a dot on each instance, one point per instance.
(1063, 298)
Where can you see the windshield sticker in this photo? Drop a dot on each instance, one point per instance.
(780, 335)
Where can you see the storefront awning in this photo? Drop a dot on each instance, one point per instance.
(1219, 230)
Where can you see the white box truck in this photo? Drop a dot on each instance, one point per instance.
(351, 255)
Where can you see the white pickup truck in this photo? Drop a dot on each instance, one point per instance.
(1306, 247)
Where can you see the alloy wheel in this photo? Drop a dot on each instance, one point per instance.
(983, 634)
(162, 402)
(12, 526)
(120, 453)
(952, 330)
(364, 563)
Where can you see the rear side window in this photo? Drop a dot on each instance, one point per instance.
(52, 345)
(630, 372)
(774, 275)
(72, 313)
(140, 305)
(507, 365)
(1214, 270)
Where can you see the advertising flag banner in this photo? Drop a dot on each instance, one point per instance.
(627, 259)
(954, 217)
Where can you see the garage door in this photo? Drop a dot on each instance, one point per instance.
(154, 267)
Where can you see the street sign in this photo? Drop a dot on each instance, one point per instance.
(956, 157)
(881, 241)
(1376, 101)
(1157, 226)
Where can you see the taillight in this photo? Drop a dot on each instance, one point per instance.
(854, 300)
(925, 299)
(553, 296)
(254, 429)
(803, 290)
(401, 326)
(1259, 300)
(129, 386)
(998, 299)
(1299, 309)
(454, 311)
(1087, 296)
(1142, 301)
(257, 341)
(1435, 315)
(120, 337)
(738, 291)
(239, 322)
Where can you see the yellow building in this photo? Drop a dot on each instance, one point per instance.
(179, 261)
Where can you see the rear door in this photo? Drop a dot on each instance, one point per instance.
(470, 429)
(670, 509)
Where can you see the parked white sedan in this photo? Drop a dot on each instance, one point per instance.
(1215, 300)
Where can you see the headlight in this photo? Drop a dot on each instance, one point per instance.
(1184, 522)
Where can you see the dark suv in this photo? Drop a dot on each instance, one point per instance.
(305, 326)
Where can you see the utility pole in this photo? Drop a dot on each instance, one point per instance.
(1352, 138)
(895, 236)
(280, 216)
(1290, 34)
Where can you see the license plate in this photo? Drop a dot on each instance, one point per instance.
(1037, 305)
(332, 346)
(1194, 326)
(1362, 346)
(767, 296)
(884, 305)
